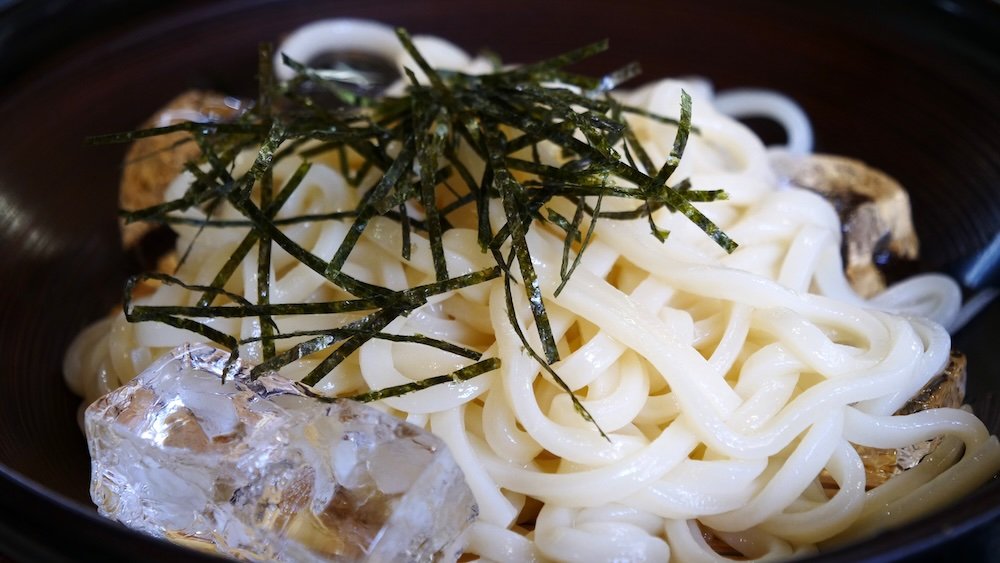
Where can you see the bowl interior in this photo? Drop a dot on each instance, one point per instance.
(901, 88)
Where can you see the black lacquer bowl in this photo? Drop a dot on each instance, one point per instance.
(909, 87)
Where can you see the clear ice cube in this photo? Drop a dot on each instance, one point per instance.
(257, 470)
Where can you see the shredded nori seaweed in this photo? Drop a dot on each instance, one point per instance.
(434, 130)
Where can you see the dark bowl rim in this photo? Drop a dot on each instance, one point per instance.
(892, 544)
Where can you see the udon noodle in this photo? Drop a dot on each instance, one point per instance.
(726, 382)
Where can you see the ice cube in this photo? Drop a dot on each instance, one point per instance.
(258, 470)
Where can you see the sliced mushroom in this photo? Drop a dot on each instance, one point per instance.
(947, 389)
(151, 163)
(874, 211)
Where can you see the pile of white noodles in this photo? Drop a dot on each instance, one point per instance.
(726, 383)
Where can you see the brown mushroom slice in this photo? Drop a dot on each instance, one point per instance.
(151, 163)
(947, 389)
(874, 212)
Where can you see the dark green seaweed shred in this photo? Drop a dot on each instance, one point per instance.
(516, 325)
(265, 89)
(348, 331)
(457, 376)
(454, 141)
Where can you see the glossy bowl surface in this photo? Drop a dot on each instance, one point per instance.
(909, 87)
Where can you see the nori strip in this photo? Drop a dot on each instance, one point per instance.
(412, 144)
